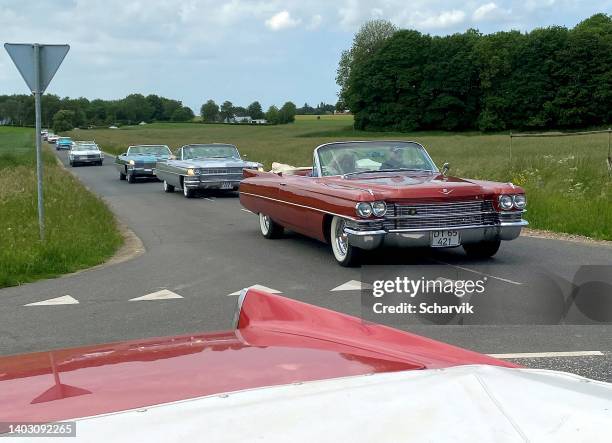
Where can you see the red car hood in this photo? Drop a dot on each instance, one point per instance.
(402, 185)
(277, 341)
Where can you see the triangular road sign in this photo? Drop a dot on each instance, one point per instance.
(51, 57)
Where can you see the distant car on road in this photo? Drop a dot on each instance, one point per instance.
(85, 152)
(140, 161)
(63, 143)
(44, 134)
(52, 138)
(204, 166)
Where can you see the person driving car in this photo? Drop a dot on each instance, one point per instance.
(394, 161)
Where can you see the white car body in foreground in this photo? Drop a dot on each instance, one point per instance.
(472, 403)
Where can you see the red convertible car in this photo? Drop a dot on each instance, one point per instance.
(290, 371)
(363, 194)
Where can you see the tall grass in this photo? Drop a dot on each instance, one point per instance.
(81, 231)
(565, 178)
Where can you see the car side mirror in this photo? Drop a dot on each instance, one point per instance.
(243, 155)
(125, 153)
(445, 168)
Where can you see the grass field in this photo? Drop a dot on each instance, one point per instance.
(565, 178)
(81, 231)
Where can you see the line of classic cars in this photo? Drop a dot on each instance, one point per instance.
(356, 196)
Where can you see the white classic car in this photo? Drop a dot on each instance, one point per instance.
(85, 152)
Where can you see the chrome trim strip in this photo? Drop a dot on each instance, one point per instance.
(451, 214)
(301, 206)
(449, 228)
(238, 307)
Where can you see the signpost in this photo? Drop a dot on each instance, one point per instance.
(37, 64)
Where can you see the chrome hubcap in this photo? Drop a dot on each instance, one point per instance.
(265, 223)
(341, 239)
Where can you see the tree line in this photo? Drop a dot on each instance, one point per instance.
(548, 78)
(211, 112)
(66, 113)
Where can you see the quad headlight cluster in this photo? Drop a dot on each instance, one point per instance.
(367, 209)
(508, 202)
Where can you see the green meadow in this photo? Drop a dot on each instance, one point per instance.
(81, 231)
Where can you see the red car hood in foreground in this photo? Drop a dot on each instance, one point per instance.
(295, 372)
(277, 341)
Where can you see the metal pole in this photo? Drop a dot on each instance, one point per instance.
(39, 161)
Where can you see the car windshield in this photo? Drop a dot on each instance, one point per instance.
(210, 151)
(65, 140)
(364, 157)
(85, 147)
(149, 150)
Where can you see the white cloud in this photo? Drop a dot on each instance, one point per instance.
(444, 20)
(282, 20)
(315, 22)
(489, 11)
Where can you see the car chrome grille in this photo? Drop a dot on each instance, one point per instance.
(440, 215)
(219, 171)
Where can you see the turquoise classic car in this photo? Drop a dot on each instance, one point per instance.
(141, 161)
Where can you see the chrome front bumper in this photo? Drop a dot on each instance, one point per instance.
(422, 238)
(141, 171)
(202, 183)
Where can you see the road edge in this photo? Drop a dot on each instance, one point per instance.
(132, 246)
(574, 238)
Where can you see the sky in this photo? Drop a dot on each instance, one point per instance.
(238, 50)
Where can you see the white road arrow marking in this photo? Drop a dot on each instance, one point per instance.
(63, 300)
(548, 354)
(164, 294)
(260, 287)
(352, 285)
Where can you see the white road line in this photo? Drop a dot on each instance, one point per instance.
(209, 199)
(352, 285)
(63, 300)
(260, 287)
(246, 210)
(164, 294)
(547, 354)
(480, 273)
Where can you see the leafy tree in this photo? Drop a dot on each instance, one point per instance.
(367, 40)
(183, 114)
(157, 107)
(255, 111)
(272, 115)
(286, 114)
(240, 111)
(63, 120)
(227, 110)
(209, 111)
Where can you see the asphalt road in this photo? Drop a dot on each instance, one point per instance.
(207, 248)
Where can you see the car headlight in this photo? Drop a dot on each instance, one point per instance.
(505, 202)
(379, 208)
(132, 162)
(519, 201)
(190, 171)
(364, 209)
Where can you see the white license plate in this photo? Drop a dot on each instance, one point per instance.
(227, 185)
(445, 239)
